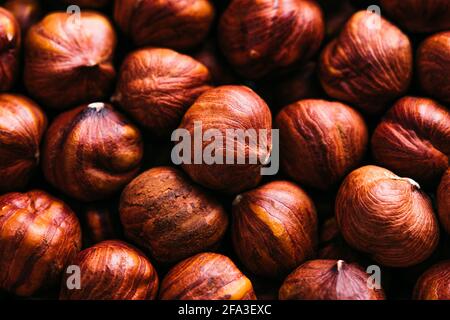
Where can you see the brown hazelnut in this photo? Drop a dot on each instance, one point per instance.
(433, 65)
(329, 280)
(320, 141)
(274, 228)
(386, 216)
(176, 24)
(434, 284)
(99, 223)
(259, 37)
(91, 152)
(369, 64)
(229, 108)
(68, 61)
(88, 3)
(413, 139)
(10, 43)
(22, 125)
(206, 276)
(443, 201)
(157, 86)
(164, 212)
(27, 12)
(39, 235)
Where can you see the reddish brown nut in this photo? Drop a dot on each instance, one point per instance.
(164, 212)
(369, 64)
(39, 235)
(157, 86)
(206, 276)
(229, 108)
(329, 280)
(176, 24)
(27, 12)
(413, 139)
(434, 284)
(99, 223)
(112, 270)
(88, 3)
(274, 228)
(419, 15)
(259, 37)
(10, 42)
(433, 65)
(68, 61)
(320, 141)
(22, 125)
(91, 152)
(386, 216)
(443, 201)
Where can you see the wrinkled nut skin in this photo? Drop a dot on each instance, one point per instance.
(413, 140)
(157, 86)
(320, 141)
(206, 276)
(258, 37)
(27, 12)
(22, 125)
(443, 201)
(274, 228)
(329, 280)
(10, 44)
(433, 65)
(367, 66)
(387, 217)
(229, 108)
(112, 270)
(420, 16)
(88, 3)
(91, 152)
(164, 212)
(175, 24)
(434, 284)
(99, 223)
(70, 56)
(39, 235)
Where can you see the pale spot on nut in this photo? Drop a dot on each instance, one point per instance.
(98, 106)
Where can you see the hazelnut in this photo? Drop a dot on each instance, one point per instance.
(386, 216)
(176, 24)
(258, 37)
(274, 228)
(369, 64)
(320, 141)
(39, 235)
(64, 55)
(27, 12)
(157, 86)
(433, 65)
(91, 152)
(329, 280)
(164, 212)
(22, 125)
(206, 276)
(434, 284)
(443, 201)
(10, 43)
(100, 224)
(413, 139)
(223, 109)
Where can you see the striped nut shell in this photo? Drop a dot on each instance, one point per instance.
(434, 284)
(443, 201)
(10, 43)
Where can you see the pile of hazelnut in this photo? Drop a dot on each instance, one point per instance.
(92, 205)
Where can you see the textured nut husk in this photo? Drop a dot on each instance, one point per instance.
(91, 152)
(157, 86)
(433, 65)
(27, 12)
(229, 108)
(175, 24)
(434, 284)
(22, 125)
(367, 66)
(206, 276)
(443, 201)
(413, 139)
(89, 3)
(421, 16)
(39, 235)
(258, 37)
(166, 213)
(274, 228)
(320, 141)
(74, 57)
(10, 44)
(329, 280)
(386, 216)
(112, 270)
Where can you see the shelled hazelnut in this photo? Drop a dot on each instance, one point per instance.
(26, 12)
(434, 284)
(10, 44)
(443, 201)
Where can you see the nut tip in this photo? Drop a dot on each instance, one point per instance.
(98, 106)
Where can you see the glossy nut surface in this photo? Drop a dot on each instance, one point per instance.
(10, 44)
(434, 284)
(443, 201)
